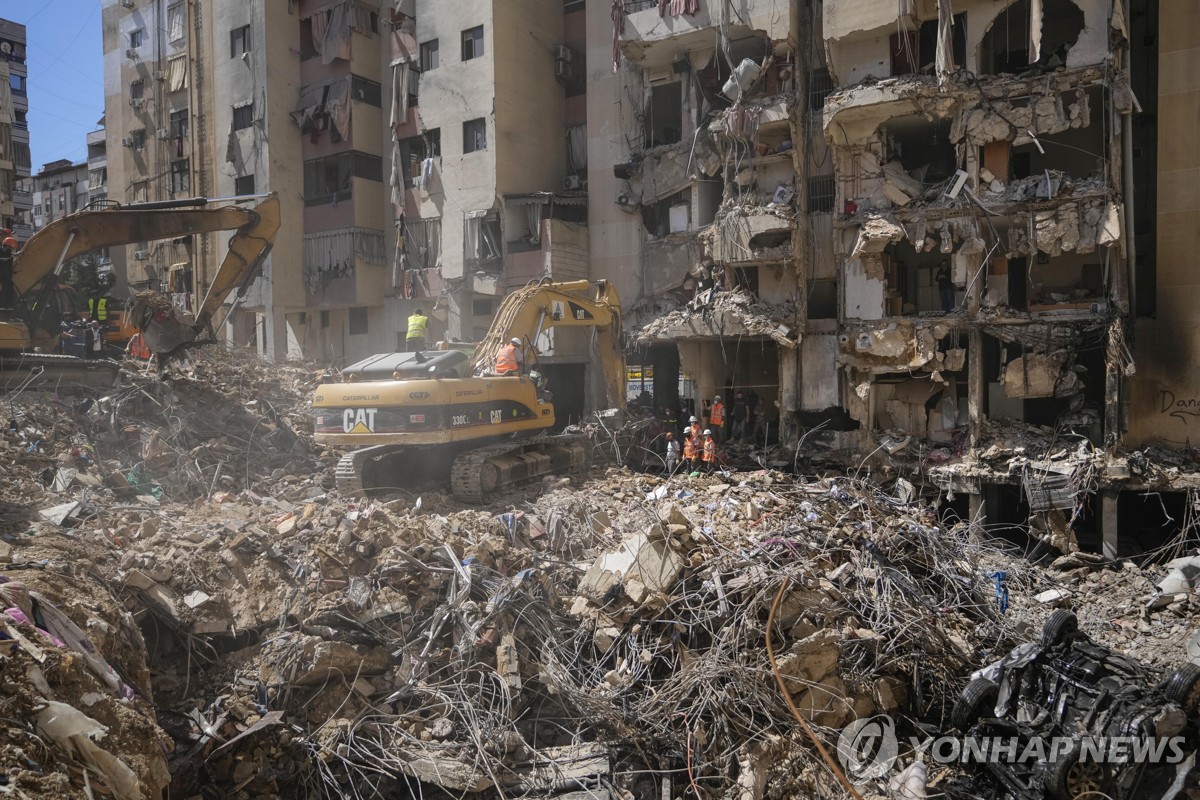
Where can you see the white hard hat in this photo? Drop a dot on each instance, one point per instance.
(715, 399)
(707, 432)
(514, 340)
(692, 419)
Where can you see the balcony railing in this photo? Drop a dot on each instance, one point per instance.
(97, 161)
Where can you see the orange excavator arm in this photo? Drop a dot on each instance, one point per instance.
(254, 234)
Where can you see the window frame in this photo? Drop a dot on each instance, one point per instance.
(137, 89)
(468, 41)
(239, 36)
(246, 112)
(137, 37)
(179, 122)
(181, 177)
(429, 55)
(473, 136)
(239, 187)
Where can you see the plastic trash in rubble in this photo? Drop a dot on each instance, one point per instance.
(659, 493)
(1001, 579)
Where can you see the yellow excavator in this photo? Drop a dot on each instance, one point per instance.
(30, 331)
(413, 417)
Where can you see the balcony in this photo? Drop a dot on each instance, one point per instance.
(96, 137)
(22, 198)
(561, 254)
(97, 162)
(22, 232)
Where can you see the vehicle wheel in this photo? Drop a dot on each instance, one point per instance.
(977, 700)
(1060, 626)
(1183, 688)
(1067, 777)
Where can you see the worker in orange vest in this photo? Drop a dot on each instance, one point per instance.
(716, 417)
(691, 451)
(709, 455)
(137, 347)
(507, 361)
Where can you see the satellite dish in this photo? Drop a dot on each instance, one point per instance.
(5, 47)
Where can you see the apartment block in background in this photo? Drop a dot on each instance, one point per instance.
(487, 113)
(16, 200)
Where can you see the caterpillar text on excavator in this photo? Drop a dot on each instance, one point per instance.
(29, 331)
(413, 417)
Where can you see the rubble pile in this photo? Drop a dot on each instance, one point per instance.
(234, 620)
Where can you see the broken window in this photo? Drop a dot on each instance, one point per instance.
(1010, 46)
(922, 147)
(243, 116)
(664, 118)
(745, 279)
(481, 238)
(820, 85)
(914, 52)
(474, 135)
(670, 215)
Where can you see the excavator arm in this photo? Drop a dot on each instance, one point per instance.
(527, 312)
(254, 234)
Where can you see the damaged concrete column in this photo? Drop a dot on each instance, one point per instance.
(789, 400)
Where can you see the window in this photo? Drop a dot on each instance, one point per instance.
(472, 43)
(324, 319)
(139, 196)
(365, 91)
(243, 184)
(239, 41)
(307, 48)
(179, 122)
(62, 201)
(474, 135)
(328, 178)
(137, 90)
(181, 181)
(137, 139)
(820, 84)
(481, 237)
(358, 321)
(175, 22)
(483, 306)
(17, 84)
(429, 55)
(368, 166)
(820, 194)
(822, 299)
(243, 116)
(136, 37)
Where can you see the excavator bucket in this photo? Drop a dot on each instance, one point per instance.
(166, 329)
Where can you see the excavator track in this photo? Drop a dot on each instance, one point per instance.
(62, 373)
(478, 474)
(352, 467)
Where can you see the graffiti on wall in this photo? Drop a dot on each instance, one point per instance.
(1184, 409)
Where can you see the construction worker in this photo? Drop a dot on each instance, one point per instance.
(716, 416)
(8, 293)
(693, 429)
(709, 453)
(137, 347)
(414, 337)
(691, 447)
(508, 361)
(672, 453)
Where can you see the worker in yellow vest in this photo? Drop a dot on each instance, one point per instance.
(98, 309)
(414, 338)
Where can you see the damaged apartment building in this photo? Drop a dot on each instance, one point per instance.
(693, 195)
(982, 226)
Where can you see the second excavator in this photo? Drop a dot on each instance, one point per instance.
(30, 330)
(409, 418)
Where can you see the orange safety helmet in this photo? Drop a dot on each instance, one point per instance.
(10, 242)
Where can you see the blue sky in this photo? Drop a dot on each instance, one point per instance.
(66, 74)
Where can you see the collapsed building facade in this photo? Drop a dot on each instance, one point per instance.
(983, 227)
(693, 196)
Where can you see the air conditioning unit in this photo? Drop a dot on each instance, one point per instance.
(127, 142)
(572, 182)
(563, 53)
(160, 74)
(141, 255)
(127, 3)
(131, 53)
(137, 102)
(164, 133)
(563, 71)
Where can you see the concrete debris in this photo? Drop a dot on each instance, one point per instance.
(724, 314)
(252, 633)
